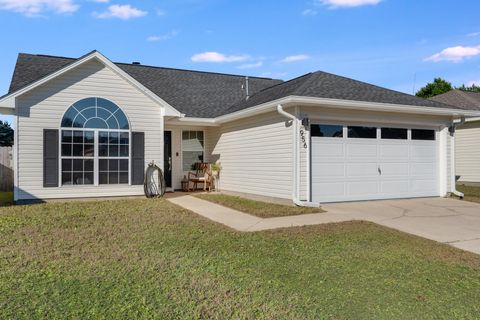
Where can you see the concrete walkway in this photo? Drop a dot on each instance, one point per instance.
(444, 220)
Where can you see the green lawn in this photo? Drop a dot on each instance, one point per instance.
(145, 259)
(471, 193)
(256, 208)
(6, 198)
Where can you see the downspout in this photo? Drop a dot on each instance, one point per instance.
(454, 127)
(296, 162)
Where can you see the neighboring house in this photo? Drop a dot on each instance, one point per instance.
(88, 127)
(467, 137)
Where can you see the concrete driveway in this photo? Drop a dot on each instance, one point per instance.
(449, 221)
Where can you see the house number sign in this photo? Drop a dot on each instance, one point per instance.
(303, 139)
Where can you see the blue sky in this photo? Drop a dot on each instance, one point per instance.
(384, 42)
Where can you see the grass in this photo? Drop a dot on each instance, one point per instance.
(146, 259)
(471, 193)
(256, 208)
(6, 198)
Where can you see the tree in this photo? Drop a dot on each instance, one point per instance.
(6, 134)
(472, 88)
(438, 86)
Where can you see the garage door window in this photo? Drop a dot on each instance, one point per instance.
(326, 130)
(394, 133)
(362, 132)
(422, 134)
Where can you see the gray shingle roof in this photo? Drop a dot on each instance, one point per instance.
(195, 93)
(208, 95)
(461, 99)
(326, 85)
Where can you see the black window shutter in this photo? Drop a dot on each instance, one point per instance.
(50, 158)
(138, 157)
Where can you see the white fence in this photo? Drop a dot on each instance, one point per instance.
(6, 169)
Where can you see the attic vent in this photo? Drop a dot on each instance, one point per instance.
(136, 62)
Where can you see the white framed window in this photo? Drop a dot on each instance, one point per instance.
(192, 149)
(94, 144)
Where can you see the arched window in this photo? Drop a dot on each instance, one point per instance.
(95, 113)
(95, 144)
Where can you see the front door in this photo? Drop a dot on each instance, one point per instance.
(167, 158)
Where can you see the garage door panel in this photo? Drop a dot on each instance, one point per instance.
(365, 169)
(362, 188)
(325, 149)
(395, 151)
(423, 152)
(395, 187)
(422, 185)
(394, 169)
(329, 171)
(361, 151)
(331, 190)
(423, 169)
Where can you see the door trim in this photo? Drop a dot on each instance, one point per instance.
(168, 188)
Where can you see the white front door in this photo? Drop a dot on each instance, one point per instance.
(365, 163)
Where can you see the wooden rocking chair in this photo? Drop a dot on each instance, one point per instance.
(200, 175)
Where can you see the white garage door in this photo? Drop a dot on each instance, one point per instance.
(364, 163)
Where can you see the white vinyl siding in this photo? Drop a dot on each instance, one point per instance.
(467, 152)
(43, 108)
(255, 154)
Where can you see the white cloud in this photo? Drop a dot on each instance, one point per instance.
(251, 65)
(455, 54)
(347, 3)
(295, 58)
(37, 7)
(473, 34)
(123, 12)
(163, 37)
(212, 56)
(309, 12)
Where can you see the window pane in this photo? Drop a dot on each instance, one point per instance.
(113, 151)
(96, 123)
(124, 151)
(78, 150)
(66, 150)
(88, 165)
(114, 138)
(103, 137)
(79, 121)
(103, 178)
(422, 134)
(326, 130)
(89, 150)
(88, 136)
(113, 178)
(84, 103)
(113, 165)
(67, 165)
(123, 177)
(90, 112)
(67, 136)
(122, 120)
(190, 158)
(103, 150)
(362, 132)
(68, 117)
(103, 165)
(78, 136)
(106, 104)
(123, 165)
(88, 178)
(124, 138)
(78, 178)
(394, 133)
(77, 165)
(66, 178)
(112, 123)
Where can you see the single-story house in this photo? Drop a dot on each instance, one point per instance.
(88, 127)
(467, 138)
